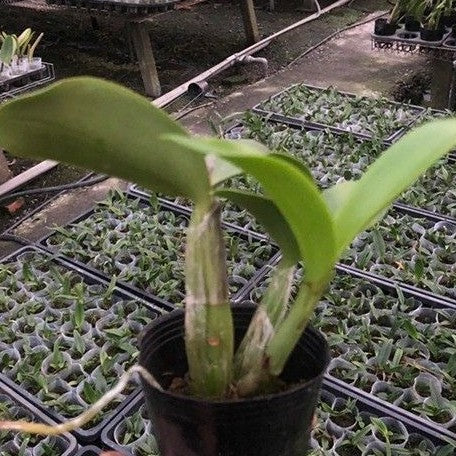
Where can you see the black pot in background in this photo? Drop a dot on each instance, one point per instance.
(431, 35)
(383, 28)
(274, 425)
(411, 24)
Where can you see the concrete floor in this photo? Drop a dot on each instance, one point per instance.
(346, 62)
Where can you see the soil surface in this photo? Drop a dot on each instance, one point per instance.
(186, 42)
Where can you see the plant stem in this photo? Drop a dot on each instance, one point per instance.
(291, 329)
(208, 322)
(249, 363)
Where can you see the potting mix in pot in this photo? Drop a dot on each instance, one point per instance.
(238, 370)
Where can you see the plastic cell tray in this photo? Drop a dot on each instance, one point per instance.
(24, 409)
(153, 309)
(178, 211)
(296, 121)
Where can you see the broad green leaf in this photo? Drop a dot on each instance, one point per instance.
(99, 125)
(220, 170)
(394, 171)
(266, 212)
(337, 195)
(294, 194)
(8, 49)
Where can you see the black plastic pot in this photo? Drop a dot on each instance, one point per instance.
(411, 24)
(431, 35)
(384, 28)
(274, 425)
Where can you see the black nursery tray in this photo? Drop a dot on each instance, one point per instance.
(24, 82)
(181, 216)
(411, 38)
(240, 131)
(363, 316)
(19, 408)
(329, 430)
(260, 109)
(41, 316)
(89, 451)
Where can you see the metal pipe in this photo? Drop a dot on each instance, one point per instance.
(169, 97)
(27, 176)
(262, 60)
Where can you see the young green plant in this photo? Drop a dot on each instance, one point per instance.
(123, 134)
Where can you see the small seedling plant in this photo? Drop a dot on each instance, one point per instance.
(121, 133)
(63, 339)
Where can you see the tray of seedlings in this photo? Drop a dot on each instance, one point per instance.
(415, 251)
(331, 157)
(14, 407)
(66, 336)
(389, 344)
(365, 117)
(19, 68)
(142, 243)
(346, 426)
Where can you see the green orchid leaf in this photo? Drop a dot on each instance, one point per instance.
(337, 195)
(99, 125)
(302, 166)
(359, 205)
(220, 170)
(266, 212)
(8, 49)
(294, 194)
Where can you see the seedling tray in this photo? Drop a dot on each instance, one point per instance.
(415, 112)
(404, 36)
(363, 317)
(328, 429)
(18, 408)
(129, 277)
(44, 325)
(414, 251)
(89, 451)
(21, 83)
(134, 8)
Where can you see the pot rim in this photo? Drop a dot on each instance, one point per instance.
(255, 399)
